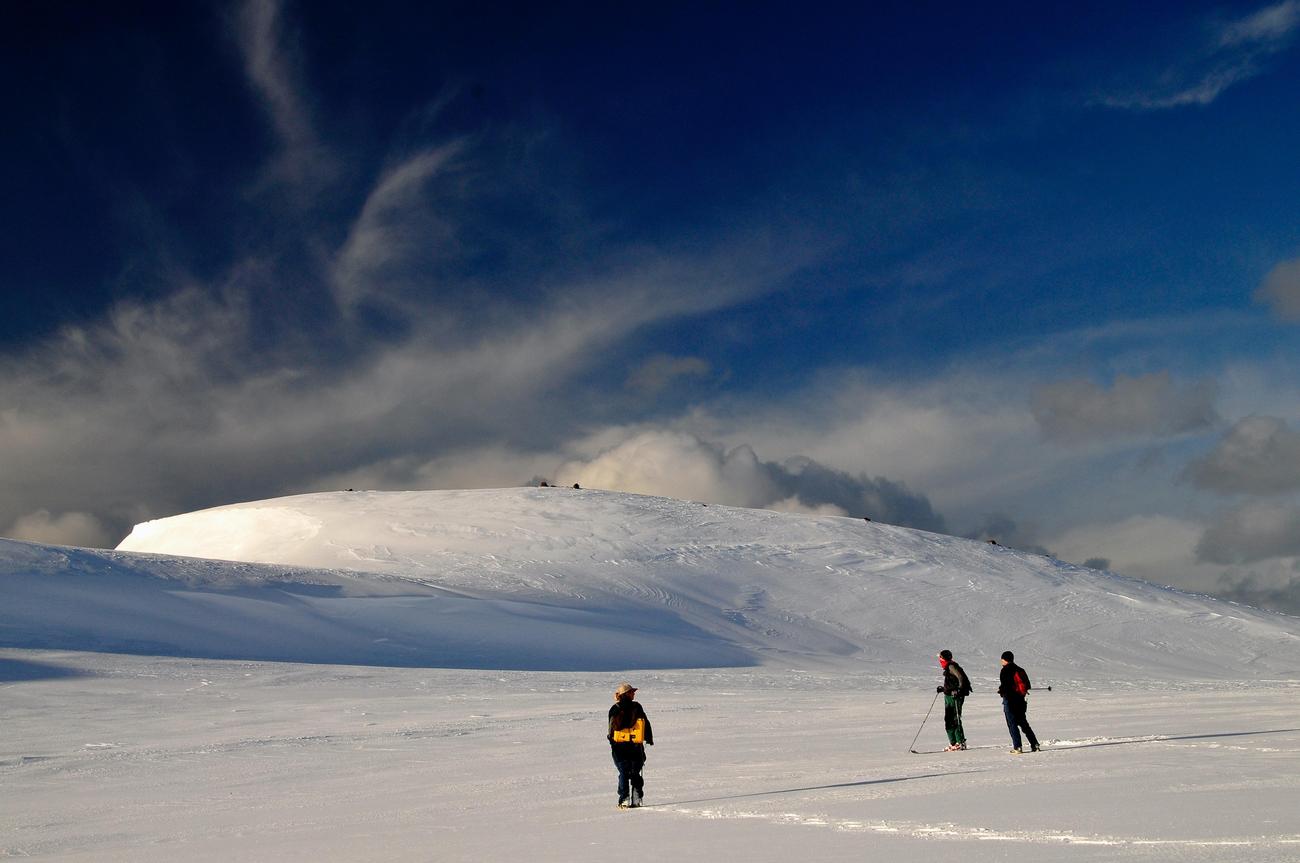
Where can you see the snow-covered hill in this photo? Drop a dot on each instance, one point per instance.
(1167, 734)
(548, 578)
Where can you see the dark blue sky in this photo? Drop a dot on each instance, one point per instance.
(1032, 266)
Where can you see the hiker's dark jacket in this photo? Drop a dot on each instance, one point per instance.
(955, 681)
(623, 715)
(1013, 682)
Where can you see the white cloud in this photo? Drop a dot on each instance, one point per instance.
(185, 401)
(1153, 547)
(1247, 555)
(398, 232)
(69, 528)
(677, 465)
(682, 465)
(1258, 455)
(1274, 585)
(1224, 54)
(963, 436)
(1269, 25)
(793, 504)
(1252, 533)
(270, 64)
(660, 371)
(1078, 411)
(490, 466)
(168, 405)
(1281, 290)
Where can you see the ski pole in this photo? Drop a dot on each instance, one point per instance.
(912, 748)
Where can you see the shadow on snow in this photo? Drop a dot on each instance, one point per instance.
(1161, 738)
(15, 670)
(832, 787)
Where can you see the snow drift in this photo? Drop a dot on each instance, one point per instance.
(585, 580)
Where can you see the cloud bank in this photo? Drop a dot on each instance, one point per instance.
(1258, 456)
(1254, 590)
(69, 528)
(168, 403)
(1252, 533)
(1080, 411)
(683, 465)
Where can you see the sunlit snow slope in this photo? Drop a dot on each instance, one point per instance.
(548, 578)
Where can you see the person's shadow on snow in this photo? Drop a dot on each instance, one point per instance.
(1162, 738)
(863, 783)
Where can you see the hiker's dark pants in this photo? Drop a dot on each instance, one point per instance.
(1014, 709)
(952, 718)
(628, 757)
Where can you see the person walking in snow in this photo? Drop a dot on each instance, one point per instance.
(956, 686)
(1013, 687)
(629, 735)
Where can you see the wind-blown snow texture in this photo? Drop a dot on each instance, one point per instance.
(568, 579)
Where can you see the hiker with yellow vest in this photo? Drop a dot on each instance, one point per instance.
(629, 734)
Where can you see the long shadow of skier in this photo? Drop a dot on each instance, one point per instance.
(1162, 738)
(814, 788)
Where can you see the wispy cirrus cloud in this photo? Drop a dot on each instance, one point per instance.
(271, 65)
(1220, 55)
(165, 406)
(403, 228)
(190, 399)
(660, 371)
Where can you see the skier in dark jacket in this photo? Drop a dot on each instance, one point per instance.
(629, 734)
(1013, 686)
(956, 686)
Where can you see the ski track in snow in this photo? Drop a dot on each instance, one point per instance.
(982, 834)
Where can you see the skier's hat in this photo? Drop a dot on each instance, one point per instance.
(945, 654)
(1008, 656)
(623, 689)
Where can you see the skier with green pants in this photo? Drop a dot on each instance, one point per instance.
(956, 686)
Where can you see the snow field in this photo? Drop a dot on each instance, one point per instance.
(149, 759)
(461, 649)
